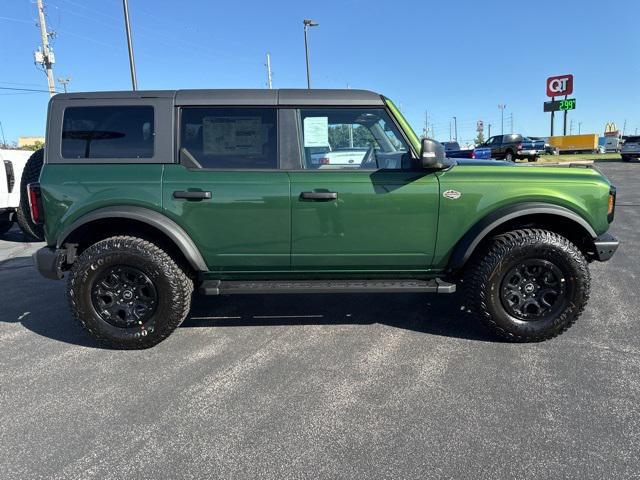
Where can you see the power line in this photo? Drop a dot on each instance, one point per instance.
(26, 89)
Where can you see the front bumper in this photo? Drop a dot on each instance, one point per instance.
(49, 261)
(605, 246)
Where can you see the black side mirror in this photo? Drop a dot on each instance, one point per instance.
(432, 154)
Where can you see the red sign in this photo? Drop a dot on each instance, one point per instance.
(560, 85)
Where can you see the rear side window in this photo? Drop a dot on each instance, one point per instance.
(512, 138)
(229, 138)
(108, 132)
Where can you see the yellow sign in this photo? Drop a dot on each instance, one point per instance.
(610, 127)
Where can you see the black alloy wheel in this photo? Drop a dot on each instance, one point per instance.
(124, 296)
(533, 290)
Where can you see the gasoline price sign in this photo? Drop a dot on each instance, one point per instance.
(567, 104)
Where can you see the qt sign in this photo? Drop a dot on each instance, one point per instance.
(560, 85)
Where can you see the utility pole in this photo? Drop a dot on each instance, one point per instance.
(571, 127)
(511, 122)
(455, 122)
(4, 140)
(450, 135)
(308, 23)
(502, 106)
(426, 123)
(489, 131)
(45, 57)
(624, 127)
(269, 82)
(579, 127)
(132, 63)
(64, 82)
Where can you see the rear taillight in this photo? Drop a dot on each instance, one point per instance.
(473, 154)
(11, 179)
(35, 203)
(323, 161)
(611, 210)
(519, 146)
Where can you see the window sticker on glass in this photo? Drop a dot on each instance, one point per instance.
(232, 136)
(316, 132)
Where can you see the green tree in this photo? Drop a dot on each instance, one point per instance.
(479, 139)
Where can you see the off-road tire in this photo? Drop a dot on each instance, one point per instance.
(509, 157)
(173, 286)
(30, 174)
(484, 276)
(5, 226)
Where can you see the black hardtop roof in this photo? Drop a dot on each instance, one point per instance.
(314, 97)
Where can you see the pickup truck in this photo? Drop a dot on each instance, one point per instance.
(514, 146)
(453, 150)
(148, 197)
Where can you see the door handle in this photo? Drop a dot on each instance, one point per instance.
(319, 196)
(189, 195)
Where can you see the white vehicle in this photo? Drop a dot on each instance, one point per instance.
(339, 158)
(12, 163)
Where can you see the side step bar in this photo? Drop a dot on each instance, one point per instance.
(222, 287)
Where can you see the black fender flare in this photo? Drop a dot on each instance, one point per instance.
(470, 240)
(150, 217)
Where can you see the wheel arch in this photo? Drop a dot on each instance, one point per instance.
(540, 215)
(149, 224)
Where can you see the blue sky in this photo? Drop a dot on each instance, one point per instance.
(455, 57)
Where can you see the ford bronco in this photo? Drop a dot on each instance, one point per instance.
(148, 197)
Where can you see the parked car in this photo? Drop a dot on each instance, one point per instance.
(141, 210)
(514, 146)
(631, 148)
(548, 148)
(339, 158)
(12, 164)
(453, 150)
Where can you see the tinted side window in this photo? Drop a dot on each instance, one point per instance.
(108, 132)
(229, 138)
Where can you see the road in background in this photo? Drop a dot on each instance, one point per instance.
(326, 386)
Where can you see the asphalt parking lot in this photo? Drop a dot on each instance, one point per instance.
(342, 386)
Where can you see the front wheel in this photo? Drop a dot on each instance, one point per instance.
(128, 293)
(528, 285)
(532, 159)
(509, 157)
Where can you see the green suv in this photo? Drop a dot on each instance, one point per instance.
(148, 197)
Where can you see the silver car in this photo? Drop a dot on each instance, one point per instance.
(630, 149)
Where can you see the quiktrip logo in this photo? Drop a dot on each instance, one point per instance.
(560, 85)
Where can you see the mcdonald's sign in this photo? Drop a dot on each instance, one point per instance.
(611, 130)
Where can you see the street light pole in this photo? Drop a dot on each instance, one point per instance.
(455, 128)
(308, 23)
(502, 106)
(127, 26)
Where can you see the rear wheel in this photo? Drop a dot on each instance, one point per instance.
(626, 158)
(509, 156)
(532, 159)
(30, 174)
(128, 293)
(528, 285)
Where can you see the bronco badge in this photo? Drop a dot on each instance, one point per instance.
(452, 194)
